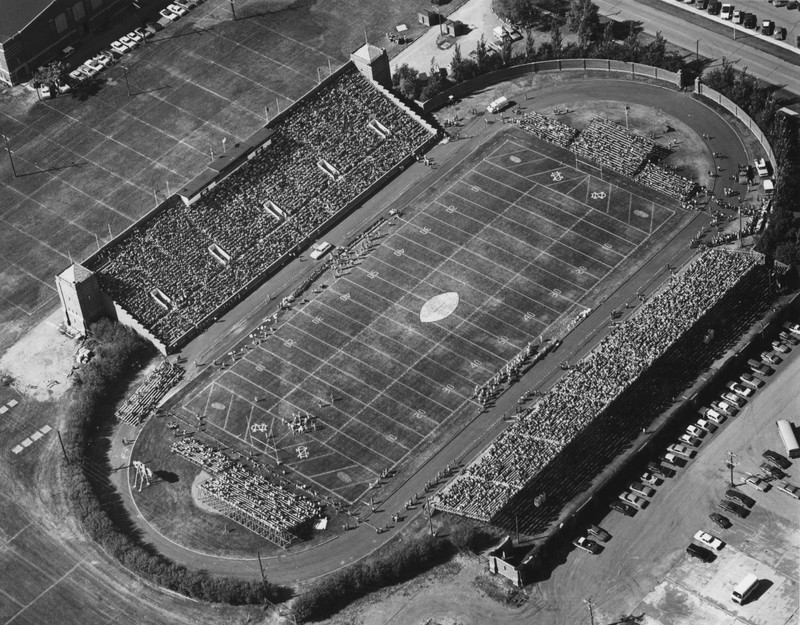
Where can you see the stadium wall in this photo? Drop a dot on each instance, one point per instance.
(632, 70)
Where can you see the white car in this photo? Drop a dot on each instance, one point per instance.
(79, 75)
(690, 440)
(751, 381)
(742, 391)
(789, 489)
(177, 9)
(771, 358)
(184, 4)
(734, 399)
(119, 47)
(726, 408)
(135, 36)
(642, 489)
(651, 479)
(794, 328)
(170, 15)
(707, 426)
(780, 347)
(696, 431)
(708, 539)
(127, 41)
(105, 59)
(682, 450)
(714, 416)
(757, 483)
(94, 66)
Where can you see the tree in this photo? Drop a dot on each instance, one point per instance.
(51, 74)
(582, 18)
(522, 13)
(556, 41)
(530, 46)
(405, 80)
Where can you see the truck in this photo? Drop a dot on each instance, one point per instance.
(767, 28)
(726, 12)
(495, 106)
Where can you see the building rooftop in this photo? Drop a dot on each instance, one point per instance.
(75, 273)
(17, 14)
(367, 51)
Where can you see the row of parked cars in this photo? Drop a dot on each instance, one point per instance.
(121, 46)
(748, 20)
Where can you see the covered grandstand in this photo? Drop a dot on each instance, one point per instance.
(201, 251)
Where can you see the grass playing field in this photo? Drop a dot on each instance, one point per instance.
(518, 235)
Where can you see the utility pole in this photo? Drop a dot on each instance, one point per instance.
(10, 158)
(263, 577)
(730, 463)
(430, 521)
(127, 84)
(63, 449)
(233, 10)
(590, 604)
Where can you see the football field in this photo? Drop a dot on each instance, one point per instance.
(386, 355)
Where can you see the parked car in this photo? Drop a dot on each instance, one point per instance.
(119, 47)
(95, 66)
(789, 339)
(623, 508)
(759, 367)
(720, 520)
(184, 4)
(701, 553)
(168, 14)
(733, 508)
(599, 533)
(734, 399)
(751, 381)
(709, 540)
(688, 439)
(641, 489)
(131, 43)
(658, 469)
(726, 408)
(789, 489)
(777, 459)
(682, 450)
(79, 75)
(707, 426)
(780, 347)
(650, 478)
(177, 9)
(771, 358)
(673, 460)
(758, 483)
(794, 328)
(696, 431)
(633, 500)
(714, 416)
(587, 545)
(136, 36)
(735, 495)
(740, 390)
(772, 471)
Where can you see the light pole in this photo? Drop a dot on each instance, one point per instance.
(730, 463)
(127, 84)
(590, 604)
(10, 157)
(626, 117)
(697, 50)
(233, 9)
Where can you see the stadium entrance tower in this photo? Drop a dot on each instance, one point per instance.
(373, 62)
(81, 298)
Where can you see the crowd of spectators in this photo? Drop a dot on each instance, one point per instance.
(667, 182)
(144, 401)
(613, 146)
(169, 254)
(272, 510)
(547, 129)
(580, 396)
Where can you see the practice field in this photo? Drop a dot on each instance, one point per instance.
(510, 246)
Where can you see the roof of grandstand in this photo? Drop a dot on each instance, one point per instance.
(182, 262)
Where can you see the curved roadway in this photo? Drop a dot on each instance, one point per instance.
(349, 546)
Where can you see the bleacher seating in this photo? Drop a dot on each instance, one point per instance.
(144, 401)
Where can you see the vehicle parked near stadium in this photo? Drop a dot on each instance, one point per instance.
(633, 500)
(789, 489)
(758, 483)
(587, 545)
(777, 459)
(771, 358)
(688, 439)
(709, 540)
(751, 381)
(650, 479)
(720, 520)
(682, 450)
(599, 533)
(641, 489)
(696, 431)
(742, 391)
(661, 470)
(733, 508)
(701, 553)
(623, 508)
(735, 495)
(734, 399)
(714, 416)
(781, 347)
(707, 426)
(759, 367)
(772, 471)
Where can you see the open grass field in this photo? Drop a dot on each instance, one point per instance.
(91, 163)
(514, 240)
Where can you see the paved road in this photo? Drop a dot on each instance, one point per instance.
(352, 545)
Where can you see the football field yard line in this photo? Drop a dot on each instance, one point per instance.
(342, 350)
(517, 256)
(544, 235)
(391, 338)
(398, 305)
(332, 427)
(293, 40)
(262, 55)
(471, 269)
(383, 353)
(46, 590)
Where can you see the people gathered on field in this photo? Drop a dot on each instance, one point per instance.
(330, 148)
(580, 396)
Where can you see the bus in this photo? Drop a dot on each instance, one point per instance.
(786, 431)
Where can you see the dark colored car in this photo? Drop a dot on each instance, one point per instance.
(720, 520)
(655, 467)
(733, 508)
(587, 545)
(701, 553)
(599, 533)
(735, 495)
(777, 459)
(623, 508)
(774, 472)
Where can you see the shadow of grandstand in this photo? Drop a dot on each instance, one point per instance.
(578, 467)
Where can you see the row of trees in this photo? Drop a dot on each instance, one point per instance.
(760, 101)
(104, 519)
(579, 17)
(401, 562)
